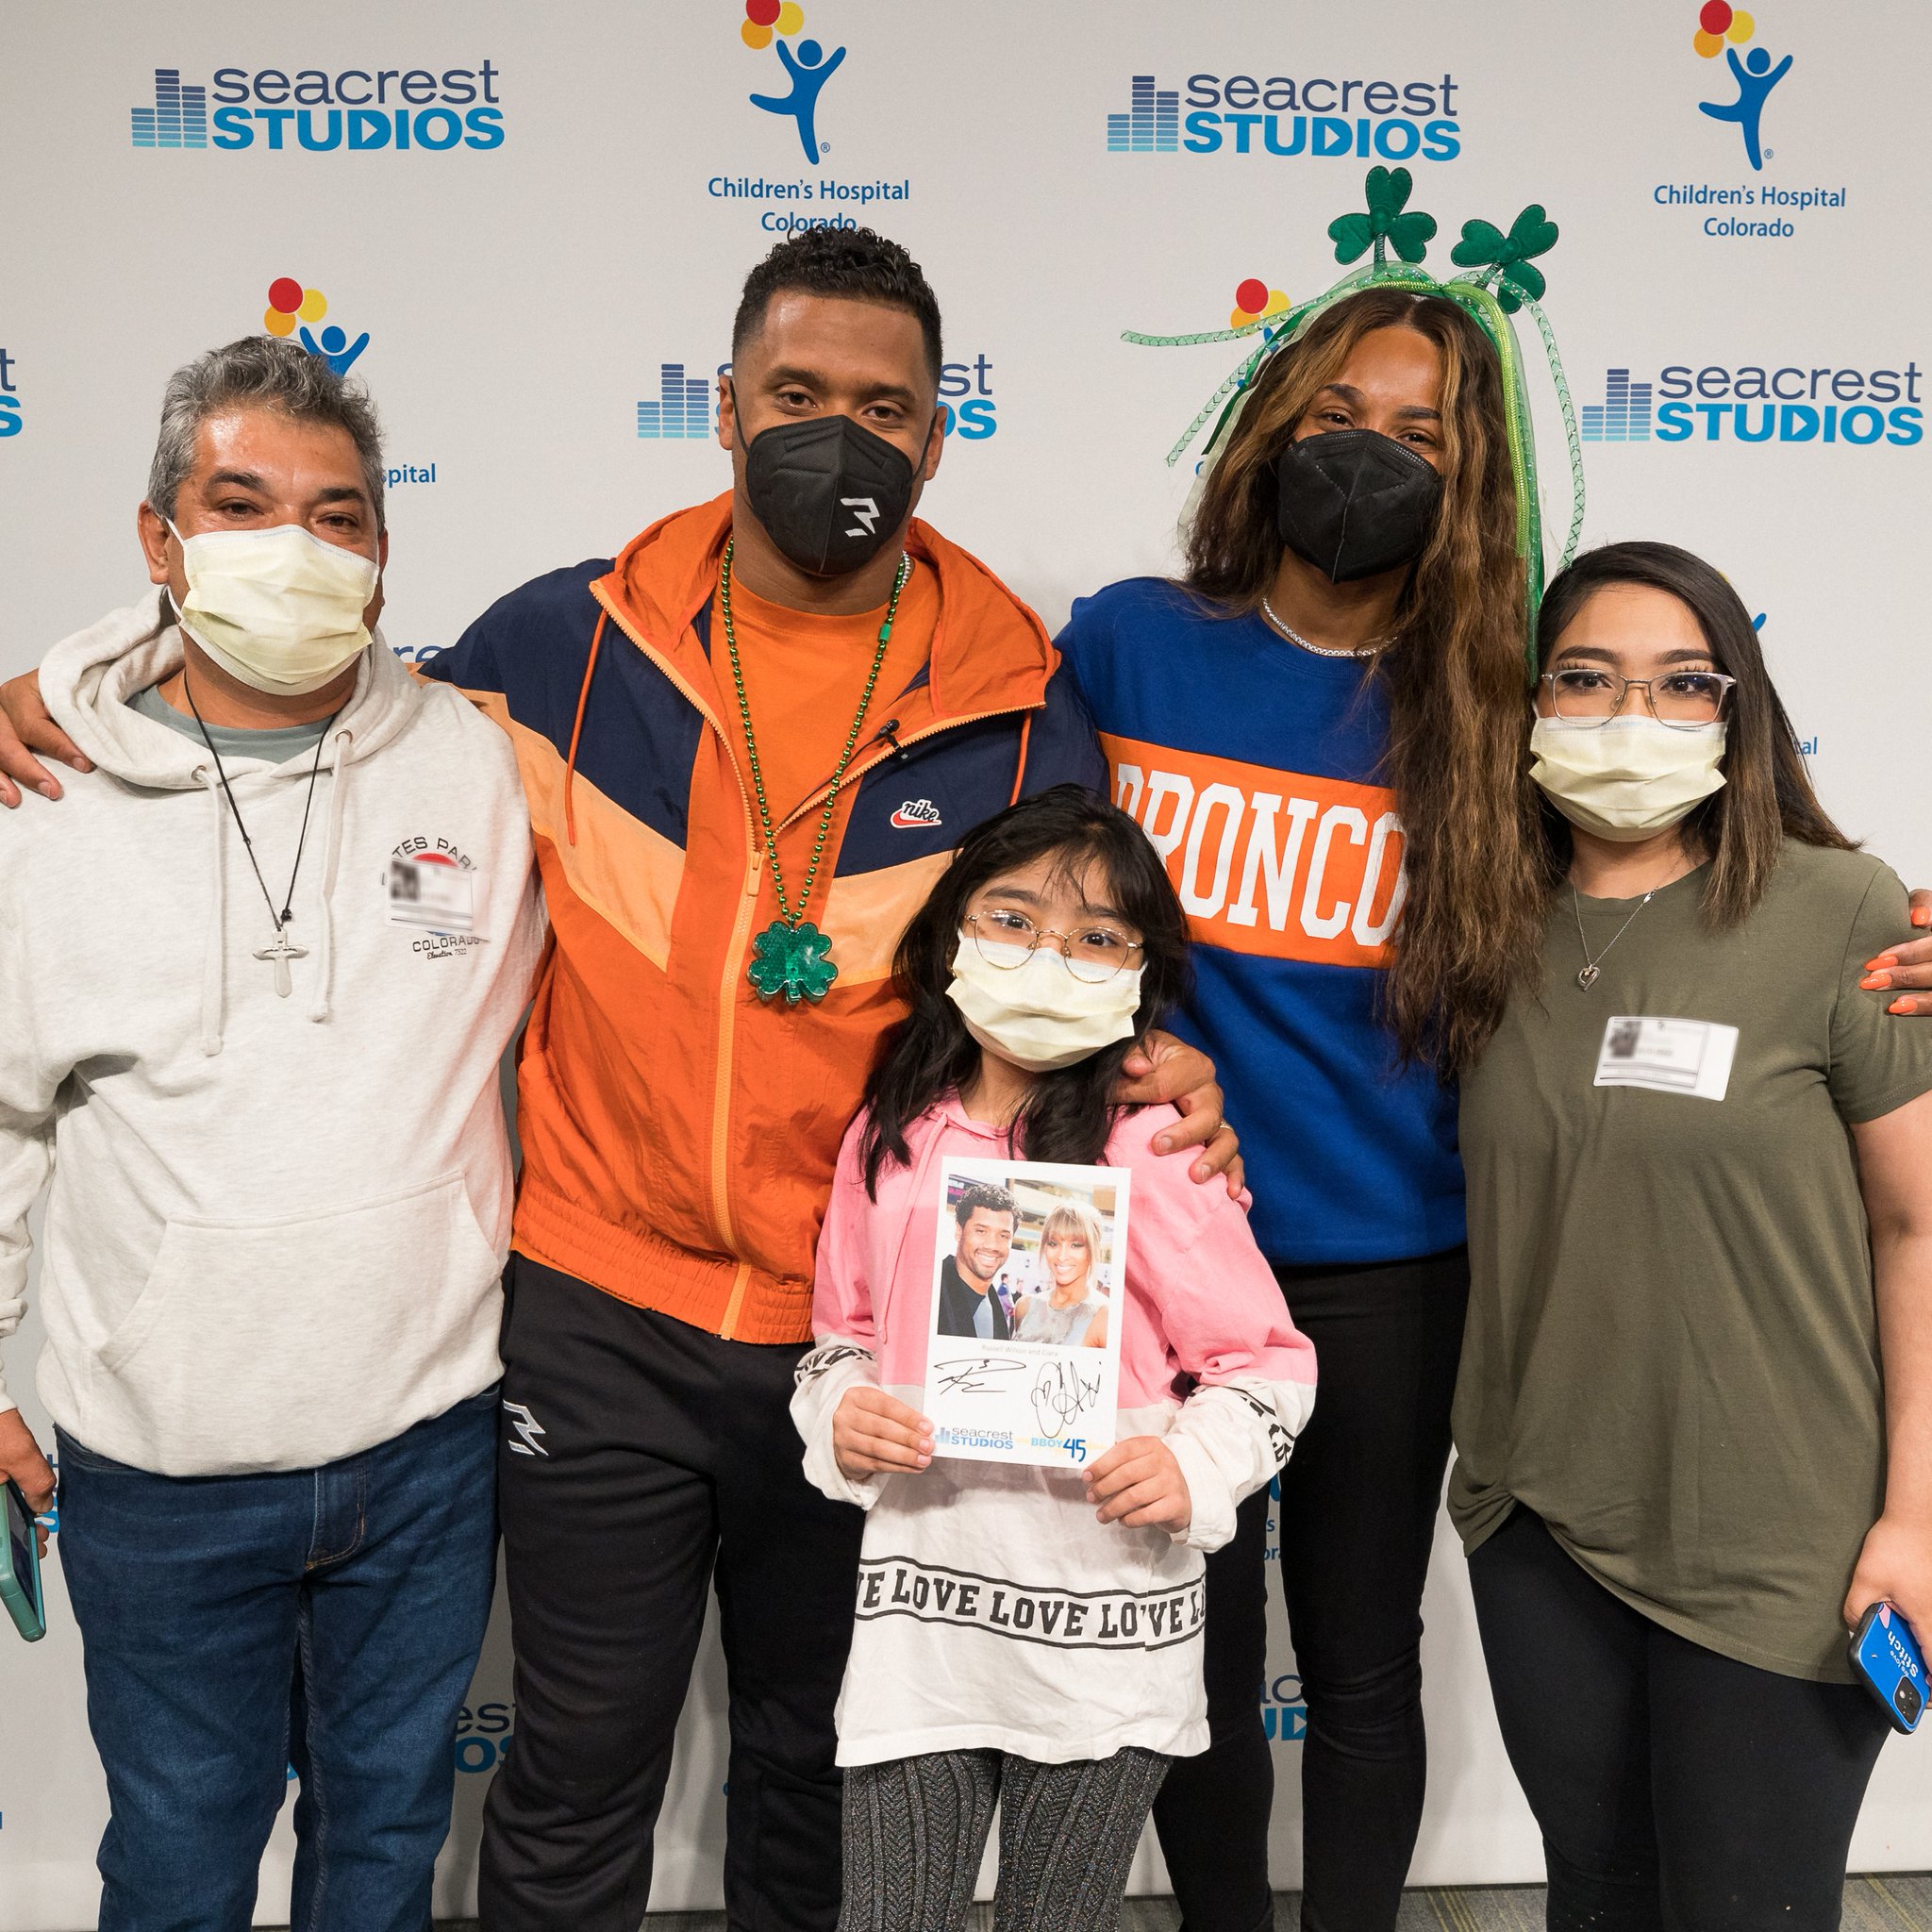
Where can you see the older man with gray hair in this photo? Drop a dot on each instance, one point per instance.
(258, 976)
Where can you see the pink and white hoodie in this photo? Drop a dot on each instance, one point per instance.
(994, 1610)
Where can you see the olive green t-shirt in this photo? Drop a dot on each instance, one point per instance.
(1672, 1354)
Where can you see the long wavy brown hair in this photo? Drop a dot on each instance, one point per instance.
(1454, 679)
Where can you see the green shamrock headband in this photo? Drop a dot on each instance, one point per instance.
(1504, 279)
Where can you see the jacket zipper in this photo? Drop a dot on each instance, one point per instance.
(733, 964)
(896, 746)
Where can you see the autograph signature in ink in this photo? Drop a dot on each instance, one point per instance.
(961, 1377)
(1061, 1393)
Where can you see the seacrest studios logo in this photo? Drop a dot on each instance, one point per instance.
(1759, 403)
(402, 110)
(11, 420)
(1284, 1710)
(792, 75)
(1276, 114)
(484, 1732)
(683, 409)
(1761, 203)
(1284, 1713)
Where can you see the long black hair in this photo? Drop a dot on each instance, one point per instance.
(1070, 1111)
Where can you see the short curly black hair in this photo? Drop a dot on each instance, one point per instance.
(978, 1194)
(856, 263)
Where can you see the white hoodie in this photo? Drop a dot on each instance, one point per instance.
(277, 1225)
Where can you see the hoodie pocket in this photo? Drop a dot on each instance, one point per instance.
(284, 1343)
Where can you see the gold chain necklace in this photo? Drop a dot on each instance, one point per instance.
(791, 956)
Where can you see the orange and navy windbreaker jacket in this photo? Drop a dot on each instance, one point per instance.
(679, 1134)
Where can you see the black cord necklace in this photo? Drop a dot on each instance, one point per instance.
(284, 948)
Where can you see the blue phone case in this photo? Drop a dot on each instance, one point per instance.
(19, 1565)
(1886, 1658)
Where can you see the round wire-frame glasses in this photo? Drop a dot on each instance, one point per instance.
(1007, 939)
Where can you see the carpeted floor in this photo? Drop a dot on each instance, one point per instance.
(1894, 1903)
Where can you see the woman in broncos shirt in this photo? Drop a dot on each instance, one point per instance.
(1318, 748)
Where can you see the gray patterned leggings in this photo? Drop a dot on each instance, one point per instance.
(915, 1828)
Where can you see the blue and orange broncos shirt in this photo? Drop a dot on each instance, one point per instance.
(1252, 766)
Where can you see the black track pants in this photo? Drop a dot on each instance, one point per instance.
(641, 1462)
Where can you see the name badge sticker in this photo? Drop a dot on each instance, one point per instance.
(441, 897)
(1667, 1056)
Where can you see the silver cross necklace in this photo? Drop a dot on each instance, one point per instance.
(284, 948)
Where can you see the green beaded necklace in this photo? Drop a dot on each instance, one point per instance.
(791, 956)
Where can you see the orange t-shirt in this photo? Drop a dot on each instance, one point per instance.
(803, 676)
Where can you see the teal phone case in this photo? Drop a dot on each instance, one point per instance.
(20, 1566)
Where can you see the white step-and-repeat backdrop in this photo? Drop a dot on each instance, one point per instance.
(527, 226)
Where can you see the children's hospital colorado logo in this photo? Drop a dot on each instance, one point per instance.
(295, 310)
(292, 308)
(1760, 403)
(1277, 114)
(792, 74)
(1764, 204)
(360, 110)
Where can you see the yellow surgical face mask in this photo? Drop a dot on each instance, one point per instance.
(1033, 1012)
(1629, 777)
(278, 608)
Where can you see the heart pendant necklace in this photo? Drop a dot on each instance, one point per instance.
(791, 956)
(1593, 968)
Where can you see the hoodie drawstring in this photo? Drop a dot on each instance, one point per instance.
(214, 960)
(331, 851)
(576, 729)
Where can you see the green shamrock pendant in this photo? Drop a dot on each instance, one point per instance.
(796, 960)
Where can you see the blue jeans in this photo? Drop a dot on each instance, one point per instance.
(233, 1625)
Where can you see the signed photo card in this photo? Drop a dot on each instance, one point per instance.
(1022, 1362)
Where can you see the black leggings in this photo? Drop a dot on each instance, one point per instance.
(1357, 1519)
(1677, 1790)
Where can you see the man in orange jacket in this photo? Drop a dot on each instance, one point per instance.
(749, 745)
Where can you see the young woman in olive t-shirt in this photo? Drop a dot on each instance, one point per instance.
(1699, 1225)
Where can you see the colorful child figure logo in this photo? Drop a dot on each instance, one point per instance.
(289, 303)
(808, 69)
(1253, 300)
(1723, 29)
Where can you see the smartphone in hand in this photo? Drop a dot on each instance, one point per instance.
(1889, 1664)
(19, 1565)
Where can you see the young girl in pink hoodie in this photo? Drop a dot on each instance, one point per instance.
(1023, 1634)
